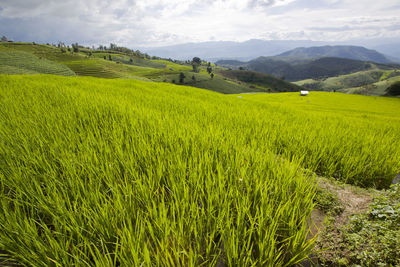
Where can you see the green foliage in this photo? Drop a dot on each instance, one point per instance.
(181, 77)
(328, 202)
(373, 238)
(261, 79)
(394, 89)
(196, 60)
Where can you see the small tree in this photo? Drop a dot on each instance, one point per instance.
(195, 67)
(193, 78)
(109, 57)
(181, 77)
(4, 39)
(196, 62)
(75, 48)
(209, 69)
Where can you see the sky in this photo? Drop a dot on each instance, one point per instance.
(143, 23)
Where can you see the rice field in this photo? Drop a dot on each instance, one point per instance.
(17, 62)
(129, 173)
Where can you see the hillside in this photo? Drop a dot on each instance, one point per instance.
(340, 51)
(294, 69)
(262, 80)
(370, 82)
(29, 58)
(121, 172)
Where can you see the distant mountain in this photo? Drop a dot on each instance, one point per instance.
(338, 51)
(213, 51)
(251, 49)
(307, 69)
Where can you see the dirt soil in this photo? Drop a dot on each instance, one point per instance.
(354, 200)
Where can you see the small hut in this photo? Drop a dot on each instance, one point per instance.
(304, 93)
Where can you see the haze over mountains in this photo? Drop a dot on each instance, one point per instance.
(316, 62)
(251, 49)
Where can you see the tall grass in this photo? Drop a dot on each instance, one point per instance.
(121, 172)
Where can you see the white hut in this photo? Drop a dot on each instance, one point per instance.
(304, 93)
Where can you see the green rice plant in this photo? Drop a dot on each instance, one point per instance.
(123, 172)
(100, 173)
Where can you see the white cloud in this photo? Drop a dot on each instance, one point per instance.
(162, 22)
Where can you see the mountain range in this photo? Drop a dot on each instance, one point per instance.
(315, 62)
(251, 49)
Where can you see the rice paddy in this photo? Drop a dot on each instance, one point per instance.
(129, 173)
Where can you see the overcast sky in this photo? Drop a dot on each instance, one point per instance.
(163, 22)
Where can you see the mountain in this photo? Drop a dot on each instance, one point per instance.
(307, 68)
(217, 50)
(251, 49)
(338, 51)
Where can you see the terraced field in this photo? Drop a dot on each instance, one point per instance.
(92, 63)
(17, 62)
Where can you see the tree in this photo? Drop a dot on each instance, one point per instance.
(193, 78)
(4, 39)
(195, 67)
(109, 57)
(75, 48)
(209, 69)
(181, 77)
(196, 60)
(394, 89)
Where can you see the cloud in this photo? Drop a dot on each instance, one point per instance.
(161, 22)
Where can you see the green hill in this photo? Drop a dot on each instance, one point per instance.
(371, 82)
(294, 69)
(17, 62)
(30, 58)
(262, 80)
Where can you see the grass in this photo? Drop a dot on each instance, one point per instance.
(123, 172)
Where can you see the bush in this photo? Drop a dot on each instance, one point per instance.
(394, 89)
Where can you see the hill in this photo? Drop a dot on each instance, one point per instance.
(339, 51)
(369, 82)
(262, 80)
(30, 58)
(294, 69)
